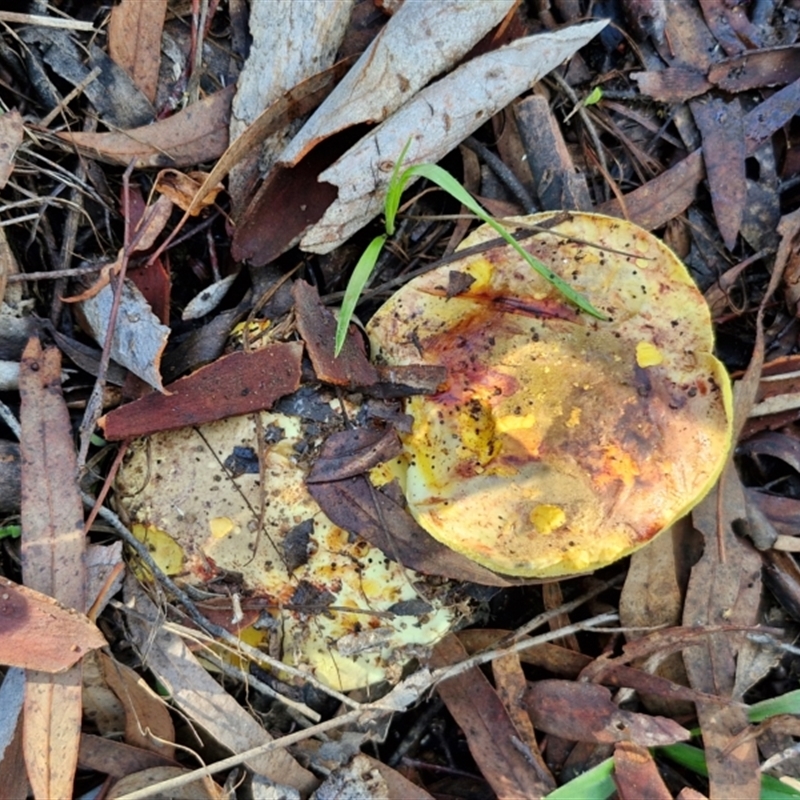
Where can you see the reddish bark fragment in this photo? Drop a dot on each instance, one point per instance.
(235, 384)
(317, 326)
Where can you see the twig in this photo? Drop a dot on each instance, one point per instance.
(404, 695)
(75, 272)
(67, 99)
(586, 120)
(46, 22)
(7, 415)
(505, 175)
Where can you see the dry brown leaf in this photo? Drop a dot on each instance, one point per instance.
(288, 48)
(358, 507)
(295, 103)
(37, 632)
(53, 547)
(725, 587)
(664, 197)
(116, 758)
(197, 133)
(151, 224)
(551, 657)
(584, 712)
(134, 41)
(511, 686)
(687, 40)
(11, 133)
(722, 130)
(653, 595)
(397, 785)
(731, 26)
(491, 734)
(673, 84)
(148, 724)
(201, 789)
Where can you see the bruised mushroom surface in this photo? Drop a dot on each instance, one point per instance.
(332, 604)
(560, 442)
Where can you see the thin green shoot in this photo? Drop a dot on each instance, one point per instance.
(594, 97)
(10, 532)
(358, 280)
(443, 179)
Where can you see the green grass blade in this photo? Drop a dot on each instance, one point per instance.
(442, 178)
(788, 703)
(594, 784)
(694, 759)
(358, 280)
(11, 532)
(397, 185)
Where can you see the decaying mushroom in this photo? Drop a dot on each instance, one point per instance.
(332, 604)
(561, 442)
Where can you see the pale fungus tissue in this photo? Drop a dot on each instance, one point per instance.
(333, 605)
(558, 444)
(561, 442)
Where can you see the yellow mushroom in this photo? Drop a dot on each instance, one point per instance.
(560, 442)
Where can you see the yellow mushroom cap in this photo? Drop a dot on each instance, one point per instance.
(561, 442)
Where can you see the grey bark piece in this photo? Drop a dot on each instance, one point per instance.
(291, 42)
(558, 185)
(436, 120)
(422, 40)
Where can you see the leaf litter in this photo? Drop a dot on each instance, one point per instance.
(693, 137)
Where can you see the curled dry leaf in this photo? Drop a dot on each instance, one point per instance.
(420, 41)
(134, 41)
(539, 456)
(436, 120)
(181, 188)
(287, 49)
